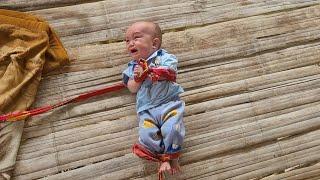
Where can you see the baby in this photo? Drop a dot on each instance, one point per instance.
(159, 108)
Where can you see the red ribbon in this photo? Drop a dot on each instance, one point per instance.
(20, 115)
(154, 73)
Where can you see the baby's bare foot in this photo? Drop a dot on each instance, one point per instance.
(175, 166)
(165, 166)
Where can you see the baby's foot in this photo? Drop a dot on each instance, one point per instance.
(165, 166)
(175, 166)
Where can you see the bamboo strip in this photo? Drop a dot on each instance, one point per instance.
(275, 164)
(79, 25)
(251, 112)
(251, 133)
(239, 136)
(309, 172)
(271, 157)
(253, 109)
(270, 154)
(220, 40)
(105, 143)
(75, 83)
(24, 5)
(245, 85)
(71, 88)
(119, 126)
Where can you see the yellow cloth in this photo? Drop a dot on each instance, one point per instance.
(28, 48)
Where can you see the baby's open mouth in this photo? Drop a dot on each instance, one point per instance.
(133, 51)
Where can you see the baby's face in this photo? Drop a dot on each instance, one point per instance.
(139, 40)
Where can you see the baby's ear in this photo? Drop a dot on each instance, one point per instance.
(156, 43)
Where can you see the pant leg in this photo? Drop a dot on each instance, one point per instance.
(172, 127)
(149, 132)
(10, 137)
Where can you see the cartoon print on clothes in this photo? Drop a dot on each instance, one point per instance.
(148, 123)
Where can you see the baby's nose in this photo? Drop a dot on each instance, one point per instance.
(130, 43)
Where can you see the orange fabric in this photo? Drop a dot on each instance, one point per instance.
(28, 48)
(55, 54)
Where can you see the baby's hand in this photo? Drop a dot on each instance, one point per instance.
(137, 71)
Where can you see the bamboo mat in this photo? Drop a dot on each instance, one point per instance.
(251, 74)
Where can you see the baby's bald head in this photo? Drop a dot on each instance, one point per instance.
(148, 27)
(143, 39)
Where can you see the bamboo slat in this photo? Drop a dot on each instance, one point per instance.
(215, 74)
(197, 95)
(272, 155)
(238, 103)
(251, 74)
(309, 172)
(25, 5)
(214, 43)
(79, 24)
(211, 144)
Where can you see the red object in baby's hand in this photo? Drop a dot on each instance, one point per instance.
(142, 76)
(155, 73)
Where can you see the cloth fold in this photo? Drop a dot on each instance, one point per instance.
(28, 49)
